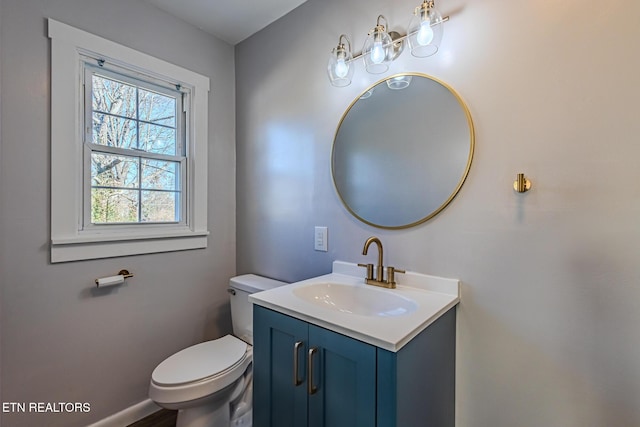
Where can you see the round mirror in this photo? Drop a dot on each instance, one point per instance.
(402, 151)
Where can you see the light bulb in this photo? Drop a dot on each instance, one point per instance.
(425, 33)
(342, 69)
(377, 53)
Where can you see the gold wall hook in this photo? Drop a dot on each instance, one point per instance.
(521, 184)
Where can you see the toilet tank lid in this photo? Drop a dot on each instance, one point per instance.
(253, 283)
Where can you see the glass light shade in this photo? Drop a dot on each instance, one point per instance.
(367, 94)
(376, 51)
(340, 68)
(425, 31)
(399, 82)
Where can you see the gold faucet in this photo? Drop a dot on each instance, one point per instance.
(378, 279)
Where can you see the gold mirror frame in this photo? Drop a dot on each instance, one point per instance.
(453, 192)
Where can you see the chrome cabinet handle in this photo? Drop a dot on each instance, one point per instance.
(310, 387)
(296, 351)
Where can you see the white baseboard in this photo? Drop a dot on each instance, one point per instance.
(129, 415)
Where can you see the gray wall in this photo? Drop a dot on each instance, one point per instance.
(548, 323)
(61, 341)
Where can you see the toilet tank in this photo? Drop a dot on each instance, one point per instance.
(241, 308)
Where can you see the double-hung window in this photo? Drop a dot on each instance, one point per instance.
(135, 158)
(129, 150)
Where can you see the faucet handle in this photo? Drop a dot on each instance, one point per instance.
(369, 268)
(391, 275)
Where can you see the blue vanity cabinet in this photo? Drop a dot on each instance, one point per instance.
(280, 400)
(333, 385)
(342, 379)
(416, 385)
(349, 383)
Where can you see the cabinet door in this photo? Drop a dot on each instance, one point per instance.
(343, 380)
(280, 394)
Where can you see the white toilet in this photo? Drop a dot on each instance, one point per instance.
(210, 383)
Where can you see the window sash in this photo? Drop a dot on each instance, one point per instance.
(181, 190)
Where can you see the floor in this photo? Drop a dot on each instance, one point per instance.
(162, 418)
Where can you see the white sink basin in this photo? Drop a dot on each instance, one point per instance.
(343, 303)
(362, 300)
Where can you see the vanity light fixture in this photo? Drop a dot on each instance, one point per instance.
(376, 48)
(340, 68)
(425, 30)
(381, 47)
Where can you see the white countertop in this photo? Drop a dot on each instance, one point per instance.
(433, 296)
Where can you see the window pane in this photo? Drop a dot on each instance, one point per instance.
(159, 206)
(158, 139)
(114, 131)
(160, 175)
(110, 96)
(110, 206)
(157, 108)
(108, 170)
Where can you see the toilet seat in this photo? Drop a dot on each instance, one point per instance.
(200, 370)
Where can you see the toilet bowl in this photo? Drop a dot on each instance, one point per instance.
(210, 384)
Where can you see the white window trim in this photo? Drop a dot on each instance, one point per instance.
(69, 242)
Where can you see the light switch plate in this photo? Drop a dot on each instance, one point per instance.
(320, 242)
